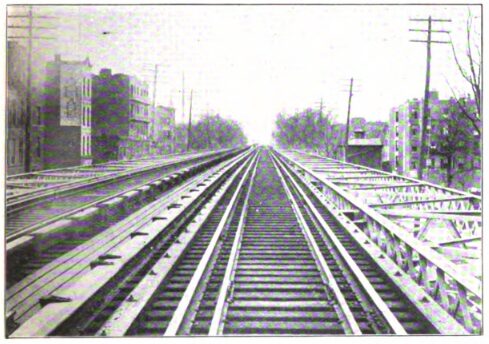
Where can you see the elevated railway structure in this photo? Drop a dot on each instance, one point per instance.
(432, 233)
(43, 223)
(268, 242)
(24, 187)
(37, 199)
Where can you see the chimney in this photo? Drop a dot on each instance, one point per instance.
(105, 72)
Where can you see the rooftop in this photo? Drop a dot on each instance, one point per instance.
(365, 142)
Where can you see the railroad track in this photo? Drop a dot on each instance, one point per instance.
(61, 228)
(359, 272)
(267, 259)
(23, 188)
(39, 210)
(117, 245)
(45, 250)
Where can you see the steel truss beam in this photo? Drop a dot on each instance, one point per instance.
(454, 287)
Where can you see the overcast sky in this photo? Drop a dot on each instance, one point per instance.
(252, 62)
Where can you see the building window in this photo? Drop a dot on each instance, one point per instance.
(415, 148)
(415, 114)
(15, 115)
(437, 162)
(38, 115)
(413, 165)
(414, 131)
(397, 116)
(11, 116)
(38, 147)
(21, 150)
(11, 151)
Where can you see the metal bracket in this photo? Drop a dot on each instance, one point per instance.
(45, 300)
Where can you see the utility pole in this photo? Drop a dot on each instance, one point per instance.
(155, 82)
(323, 130)
(30, 37)
(153, 119)
(189, 127)
(321, 141)
(183, 95)
(183, 109)
(345, 144)
(424, 153)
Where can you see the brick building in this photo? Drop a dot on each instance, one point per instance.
(17, 114)
(68, 113)
(163, 135)
(405, 139)
(121, 120)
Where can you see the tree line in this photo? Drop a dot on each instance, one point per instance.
(306, 129)
(210, 132)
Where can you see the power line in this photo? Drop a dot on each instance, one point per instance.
(426, 110)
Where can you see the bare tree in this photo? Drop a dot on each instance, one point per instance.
(456, 140)
(469, 65)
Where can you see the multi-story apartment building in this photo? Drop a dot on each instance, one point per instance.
(447, 162)
(163, 135)
(68, 113)
(17, 112)
(121, 121)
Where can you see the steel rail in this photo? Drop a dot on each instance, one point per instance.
(38, 225)
(90, 181)
(216, 327)
(464, 284)
(39, 191)
(472, 284)
(365, 284)
(121, 320)
(81, 288)
(420, 298)
(19, 295)
(180, 312)
(387, 174)
(343, 308)
(118, 165)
